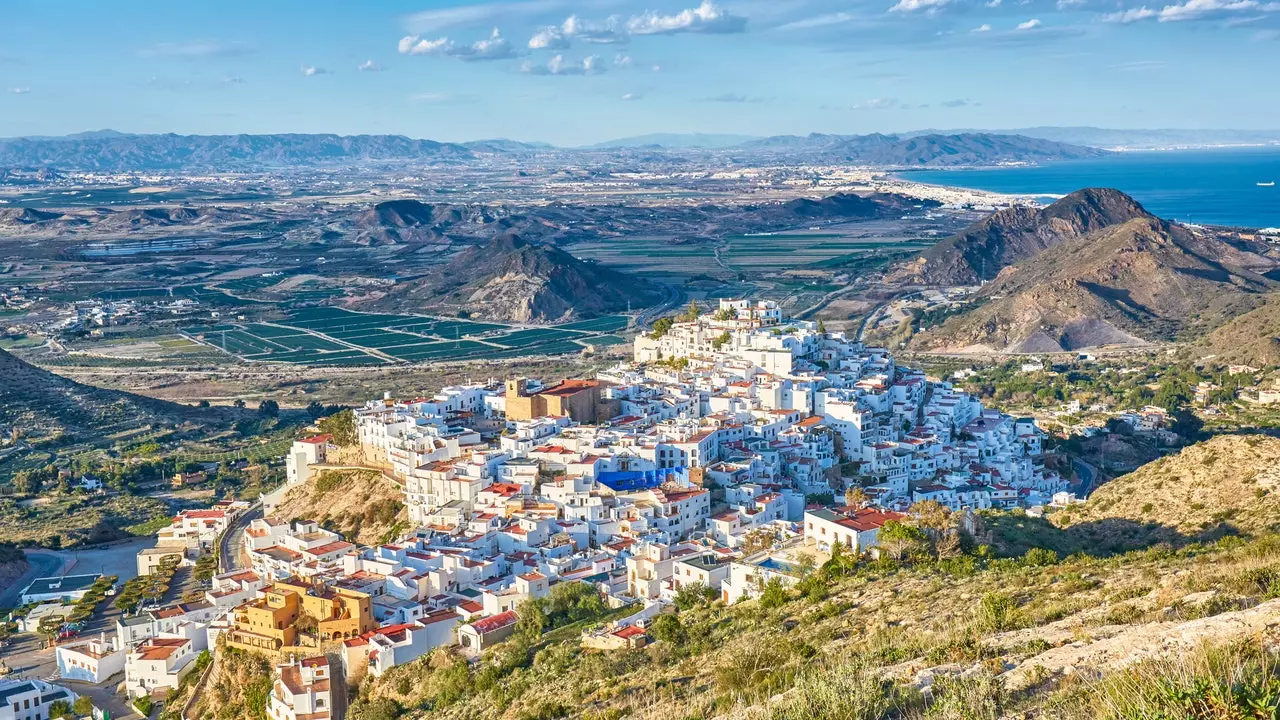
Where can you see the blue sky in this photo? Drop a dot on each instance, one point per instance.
(581, 71)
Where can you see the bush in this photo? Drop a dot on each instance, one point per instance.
(668, 629)
(144, 706)
(845, 692)
(977, 697)
(774, 595)
(693, 595)
(996, 612)
(1040, 557)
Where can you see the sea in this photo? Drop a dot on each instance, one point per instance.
(1205, 187)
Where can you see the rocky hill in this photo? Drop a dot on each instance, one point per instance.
(1142, 280)
(515, 280)
(961, 636)
(1229, 483)
(33, 399)
(363, 505)
(980, 251)
(1252, 338)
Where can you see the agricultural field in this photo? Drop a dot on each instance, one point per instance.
(327, 336)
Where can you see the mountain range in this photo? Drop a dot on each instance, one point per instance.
(1093, 269)
(109, 151)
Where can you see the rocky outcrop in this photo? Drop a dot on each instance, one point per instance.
(1142, 280)
(979, 252)
(514, 280)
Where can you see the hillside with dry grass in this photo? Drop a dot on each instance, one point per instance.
(363, 505)
(963, 637)
(1226, 484)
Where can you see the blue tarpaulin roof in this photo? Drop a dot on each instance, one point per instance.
(625, 481)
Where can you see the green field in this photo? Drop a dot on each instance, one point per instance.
(328, 336)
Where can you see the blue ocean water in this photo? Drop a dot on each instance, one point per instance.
(1208, 187)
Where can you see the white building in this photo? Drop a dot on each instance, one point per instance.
(30, 699)
(303, 691)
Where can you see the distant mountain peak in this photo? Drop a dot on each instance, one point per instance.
(982, 250)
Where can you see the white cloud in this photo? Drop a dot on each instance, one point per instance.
(495, 47)
(233, 80)
(20, 90)
(875, 104)
(1031, 24)
(430, 21)
(1140, 65)
(623, 60)
(432, 97)
(593, 32)
(312, 70)
(984, 27)
(959, 103)
(370, 66)
(414, 45)
(914, 5)
(706, 18)
(994, 3)
(733, 98)
(1190, 10)
(557, 65)
(548, 38)
(195, 49)
(632, 96)
(1068, 4)
(829, 19)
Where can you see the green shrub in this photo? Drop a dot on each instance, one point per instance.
(996, 612)
(847, 691)
(975, 697)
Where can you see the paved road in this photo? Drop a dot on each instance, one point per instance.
(117, 559)
(674, 298)
(233, 539)
(1088, 477)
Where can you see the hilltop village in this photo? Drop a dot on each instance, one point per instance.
(738, 449)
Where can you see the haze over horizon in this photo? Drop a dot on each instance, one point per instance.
(573, 72)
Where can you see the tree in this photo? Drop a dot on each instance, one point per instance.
(532, 620)
(342, 426)
(306, 624)
(269, 409)
(693, 312)
(692, 595)
(82, 707)
(822, 327)
(315, 409)
(773, 595)
(855, 496)
(238, 403)
(668, 629)
(932, 516)
(59, 709)
(899, 540)
(661, 327)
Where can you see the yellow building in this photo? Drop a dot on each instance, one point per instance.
(270, 623)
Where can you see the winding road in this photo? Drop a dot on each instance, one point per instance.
(233, 539)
